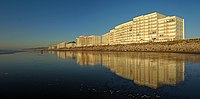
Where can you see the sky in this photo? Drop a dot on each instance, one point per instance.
(38, 23)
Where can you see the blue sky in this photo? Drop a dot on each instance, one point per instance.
(35, 23)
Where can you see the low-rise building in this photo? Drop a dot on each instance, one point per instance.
(70, 44)
(49, 47)
(52, 47)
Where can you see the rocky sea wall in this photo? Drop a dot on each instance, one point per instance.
(185, 46)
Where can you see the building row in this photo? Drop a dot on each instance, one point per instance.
(62, 45)
(153, 27)
(80, 41)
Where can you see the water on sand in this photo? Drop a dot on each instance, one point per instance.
(98, 75)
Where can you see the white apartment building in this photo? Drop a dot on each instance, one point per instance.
(170, 28)
(154, 27)
(123, 33)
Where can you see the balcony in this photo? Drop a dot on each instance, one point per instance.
(171, 23)
(161, 32)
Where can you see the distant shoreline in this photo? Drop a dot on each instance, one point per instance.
(2, 52)
(180, 46)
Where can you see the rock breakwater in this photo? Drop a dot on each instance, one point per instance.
(187, 46)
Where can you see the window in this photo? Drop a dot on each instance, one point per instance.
(153, 38)
(170, 20)
(154, 32)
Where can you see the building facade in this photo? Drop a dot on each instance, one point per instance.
(52, 47)
(123, 33)
(88, 40)
(105, 39)
(145, 28)
(81, 41)
(170, 28)
(61, 45)
(154, 27)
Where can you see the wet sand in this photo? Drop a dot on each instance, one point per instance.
(8, 52)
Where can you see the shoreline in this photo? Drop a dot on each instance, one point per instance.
(190, 46)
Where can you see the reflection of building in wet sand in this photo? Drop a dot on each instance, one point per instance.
(145, 69)
(65, 55)
(148, 69)
(82, 58)
(51, 52)
(88, 58)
